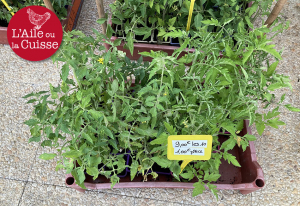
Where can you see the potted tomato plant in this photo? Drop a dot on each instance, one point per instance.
(67, 11)
(110, 105)
(144, 25)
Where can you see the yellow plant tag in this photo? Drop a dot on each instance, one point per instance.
(4, 2)
(189, 148)
(190, 15)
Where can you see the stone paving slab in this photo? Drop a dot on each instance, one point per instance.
(39, 194)
(10, 191)
(278, 151)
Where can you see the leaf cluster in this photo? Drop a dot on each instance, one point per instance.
(107, 106)
(16, 5)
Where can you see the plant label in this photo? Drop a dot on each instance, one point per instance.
(189, 147)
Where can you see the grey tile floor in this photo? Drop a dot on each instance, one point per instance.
(27, 180)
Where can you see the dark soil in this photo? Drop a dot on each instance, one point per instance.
(3, 23)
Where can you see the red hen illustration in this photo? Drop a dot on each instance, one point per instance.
(38, 20)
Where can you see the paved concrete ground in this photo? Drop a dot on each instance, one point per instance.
(27, 180)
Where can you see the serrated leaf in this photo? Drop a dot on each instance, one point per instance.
(65, 72)
(47, 156)
(114, 86)
(31, 122)
(250, 137)
(272, 68)
(260, 127)
(87, 137)
(247, 54)
(197, 20)
(199, 188)
(231, 159)
(293, 109)
(170, 129)
(101, 21)
(164, 163)
(172, 21)
(109, 31)
(133, 169)
(188, 175)
(162, 139)
(72, 154)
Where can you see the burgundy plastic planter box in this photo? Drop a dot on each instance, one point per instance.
(69, 23)
(142, 47)
(247, 178)
(147, 47)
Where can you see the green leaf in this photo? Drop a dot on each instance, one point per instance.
(188, 175)
(81, 176)
(29, 95)
(114, 86)
(117, 42)
(213, 189)
(272, 68)
(151, 3)
(129, 39)
(199, 188)
(211, 22)
(175, 168)
(260, 127)
(113, 143)
(198, 18)
(275, 122)
(211, 177)
(162, 139)
(249, 22)
(108, 132)
(87, 137)
(95, 114)
(47, 156)
(31, 122)
(133, 169)
(65, 72)
(157, 8)
(228, 20)
(293, 109)
(269, 49)
(172, 21)
(229, 51)
(93, 171)
(274, 86)
(231, 159)
(160, 22)
(34, 139)
(170, 129)
(94, 161)
(228, 144)
(109, 31)
(72, 154)
(164, 163)
(250, 137)
(247, 54)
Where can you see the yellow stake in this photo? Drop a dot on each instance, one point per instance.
(4, 2)
(184, 164)
(190, 15)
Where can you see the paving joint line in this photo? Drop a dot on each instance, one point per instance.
(28, 177)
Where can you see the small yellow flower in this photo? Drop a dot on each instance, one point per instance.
(165, 94)
(186, 126)
(100, 60)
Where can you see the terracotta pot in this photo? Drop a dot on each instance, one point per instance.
(247, 178)
(69, 23)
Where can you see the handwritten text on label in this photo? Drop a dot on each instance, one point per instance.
(189, 143)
